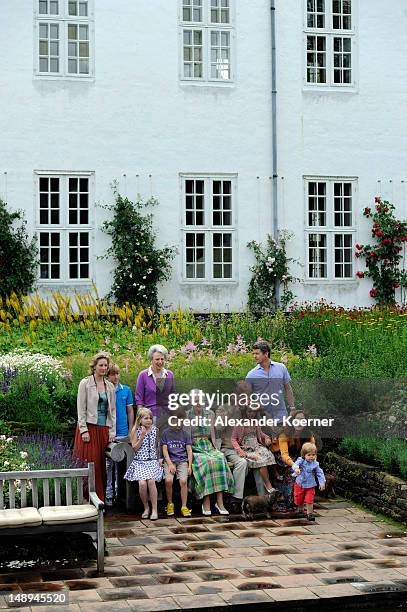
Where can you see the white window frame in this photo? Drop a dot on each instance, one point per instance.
(208, 228)
(64, 228)
(206, 27)
(63, 20)
(329, 33)
(329, 229)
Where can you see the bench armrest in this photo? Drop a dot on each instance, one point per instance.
(94, 499)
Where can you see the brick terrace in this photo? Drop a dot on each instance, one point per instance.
(225, 563)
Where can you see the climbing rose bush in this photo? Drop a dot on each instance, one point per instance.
(383, 257)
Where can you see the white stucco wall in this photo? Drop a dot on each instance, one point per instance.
(135, 121)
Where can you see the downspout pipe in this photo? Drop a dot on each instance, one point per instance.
(274, 191)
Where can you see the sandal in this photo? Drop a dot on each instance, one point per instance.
(145, 514)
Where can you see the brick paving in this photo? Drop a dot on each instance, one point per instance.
(224, 563)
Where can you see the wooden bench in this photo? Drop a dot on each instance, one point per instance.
(40, 509)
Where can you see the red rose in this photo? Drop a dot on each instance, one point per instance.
(378, 208)
(377, 199)
(387, 241)
(396, 285)
(359, 247)
(357, 254)
(373, 293)
(373, 254)
(367, 211)
(379, 233)
(385, 209)
(360, 274)
(376, 225)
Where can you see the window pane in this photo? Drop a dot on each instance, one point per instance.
(54, 65)
(83, 32)
(43, 8)
(72, 31)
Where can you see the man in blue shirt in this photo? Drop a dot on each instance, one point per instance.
(124, 425)
(272, 379)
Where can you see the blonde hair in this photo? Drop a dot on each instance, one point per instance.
(308, 447)
(113, 369)
(141, 412)
(96, 358)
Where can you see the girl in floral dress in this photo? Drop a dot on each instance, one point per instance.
(251, 443)
(145, 466)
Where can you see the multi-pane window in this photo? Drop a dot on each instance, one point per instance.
(206, 32)
(64, 37)
(208, 212)
(64, 227)
(330, 229)
(329, 34)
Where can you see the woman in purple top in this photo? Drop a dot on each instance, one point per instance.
(154, 384)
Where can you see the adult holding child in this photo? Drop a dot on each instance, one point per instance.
(211, 473)
(96, 406)
(154, 384)
(287, 448)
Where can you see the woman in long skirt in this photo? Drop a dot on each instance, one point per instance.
(96, 404)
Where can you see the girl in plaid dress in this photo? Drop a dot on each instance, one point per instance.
(210, 471)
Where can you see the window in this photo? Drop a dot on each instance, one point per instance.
(329, 34)
(64, 38)
(64, 228)
(330, 227)
(206, 32)
(209, 228)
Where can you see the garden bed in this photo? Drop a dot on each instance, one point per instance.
(367, 485)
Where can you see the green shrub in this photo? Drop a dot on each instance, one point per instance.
(389, 454)
(16, 247)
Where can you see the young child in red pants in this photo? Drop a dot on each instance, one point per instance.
(307, 470)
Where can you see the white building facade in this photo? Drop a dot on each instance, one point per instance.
(173, 99)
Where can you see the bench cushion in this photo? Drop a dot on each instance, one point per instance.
(81, 513)
(19, 517)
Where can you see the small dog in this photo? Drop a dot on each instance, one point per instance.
(260, 504)
(329, 486)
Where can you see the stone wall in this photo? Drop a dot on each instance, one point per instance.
(367, 485)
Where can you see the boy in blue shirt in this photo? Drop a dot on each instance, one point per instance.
(307, 470)
(124, 424)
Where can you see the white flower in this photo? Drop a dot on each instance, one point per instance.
(9, 440)
(2, 437)
(392, 419)
(36, 363)
(6, 463)
(23, 454)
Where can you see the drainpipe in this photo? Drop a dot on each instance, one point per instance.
(274, 200)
